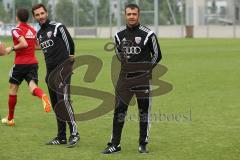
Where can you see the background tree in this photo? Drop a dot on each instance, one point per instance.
(86, 13)
(64, 12)
(103, 12)
(23, 4)
(5, 16)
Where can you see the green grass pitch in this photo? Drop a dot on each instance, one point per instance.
(198, 120)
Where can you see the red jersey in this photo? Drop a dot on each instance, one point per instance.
(25, 55)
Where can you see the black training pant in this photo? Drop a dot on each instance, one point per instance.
(58, 80)
(125, 89)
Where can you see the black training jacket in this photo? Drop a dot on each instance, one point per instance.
(55, 42)
(138, 45)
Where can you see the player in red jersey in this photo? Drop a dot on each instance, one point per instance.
(25, 65)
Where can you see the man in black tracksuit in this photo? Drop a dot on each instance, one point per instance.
(58, 48)
(139, 52)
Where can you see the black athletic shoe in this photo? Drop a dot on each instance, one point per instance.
(73, 140)
(57, 141)
(112, 149)
(142, 149)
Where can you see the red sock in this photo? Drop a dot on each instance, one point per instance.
(12, 100)
(38, 92)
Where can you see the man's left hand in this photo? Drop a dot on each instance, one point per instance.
(71, 57)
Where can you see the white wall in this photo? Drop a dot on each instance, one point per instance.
(166, 32)
(177, 32)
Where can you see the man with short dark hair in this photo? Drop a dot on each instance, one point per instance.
(25, 65)
(139, 52)
(58, 48)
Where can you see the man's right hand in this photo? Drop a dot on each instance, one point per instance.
(8, 50)
(2, 49)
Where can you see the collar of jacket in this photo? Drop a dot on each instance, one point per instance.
(133, 28)
(44, 25)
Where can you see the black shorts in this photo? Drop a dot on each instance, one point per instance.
(21, 72)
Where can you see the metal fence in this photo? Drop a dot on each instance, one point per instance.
(168, 18)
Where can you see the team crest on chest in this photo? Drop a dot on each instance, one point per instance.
(40, 38)
(49, 34)
(138, 39)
